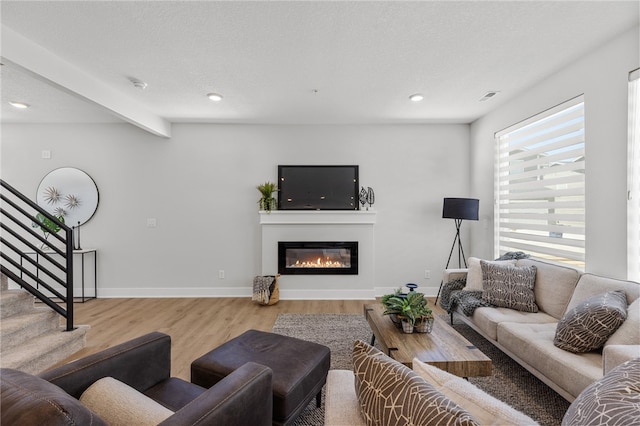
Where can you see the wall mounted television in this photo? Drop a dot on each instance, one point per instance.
(318, 187)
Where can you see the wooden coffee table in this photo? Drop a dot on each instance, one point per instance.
(444, 347)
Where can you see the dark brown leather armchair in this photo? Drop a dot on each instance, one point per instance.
(243, 398)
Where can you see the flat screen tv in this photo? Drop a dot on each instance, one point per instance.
(318, 187)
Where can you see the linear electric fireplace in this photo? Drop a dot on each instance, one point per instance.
(318, 258)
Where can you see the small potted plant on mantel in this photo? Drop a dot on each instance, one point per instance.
(411, 310)
(267, 202)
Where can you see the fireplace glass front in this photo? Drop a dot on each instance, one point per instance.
(318, 258)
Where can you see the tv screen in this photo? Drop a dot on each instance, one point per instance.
(318, 187)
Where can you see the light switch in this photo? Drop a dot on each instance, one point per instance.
(152, 222)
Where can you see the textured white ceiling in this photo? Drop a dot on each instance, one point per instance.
(267, 58)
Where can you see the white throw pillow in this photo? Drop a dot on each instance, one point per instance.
(121, 405)
(484, 407)
(474, 275)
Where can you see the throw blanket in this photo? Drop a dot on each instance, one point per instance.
(453, 296)
(262, 289)
(513, 255)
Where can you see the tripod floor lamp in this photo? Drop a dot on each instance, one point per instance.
(458, 209)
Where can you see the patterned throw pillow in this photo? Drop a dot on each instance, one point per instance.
(588, 326)
(509, 286)
(390, 394)
(613, 400)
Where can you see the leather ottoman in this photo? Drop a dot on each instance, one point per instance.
(299, 367)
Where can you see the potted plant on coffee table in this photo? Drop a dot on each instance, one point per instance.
(411, 309)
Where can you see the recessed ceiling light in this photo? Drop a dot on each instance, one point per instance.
(489, 95)
(19, 105)
(417, 97)
(216, 97)
(138, 84)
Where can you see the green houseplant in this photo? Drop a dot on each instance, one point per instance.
(411, 309)
(267, 202)
(47, 226)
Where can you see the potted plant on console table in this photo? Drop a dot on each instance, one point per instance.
(411, 309)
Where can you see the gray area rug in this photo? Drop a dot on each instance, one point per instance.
(510, 382)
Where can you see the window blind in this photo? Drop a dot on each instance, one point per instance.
(539, 186)
(633, 179)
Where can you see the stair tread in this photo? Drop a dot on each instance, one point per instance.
(47, 343)
(15, 322)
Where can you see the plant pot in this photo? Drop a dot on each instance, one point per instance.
(424, 325)
(268, 204)
(396, 321)
(407, 327)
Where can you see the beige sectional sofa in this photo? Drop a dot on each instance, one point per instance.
(528, 337)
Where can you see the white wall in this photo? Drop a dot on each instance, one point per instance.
(200, 185)
(602, 77)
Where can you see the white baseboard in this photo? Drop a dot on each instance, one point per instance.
(326, 294)
(285, 294)
(110, 293)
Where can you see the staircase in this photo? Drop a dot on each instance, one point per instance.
(31, 337)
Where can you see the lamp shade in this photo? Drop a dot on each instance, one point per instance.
(460, 208)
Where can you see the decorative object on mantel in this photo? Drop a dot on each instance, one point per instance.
(409, 311)
(458, 209)
(267, 202)
(69, 193)
(367, 196)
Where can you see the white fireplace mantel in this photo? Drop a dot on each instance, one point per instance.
(321, 225)
(318, 217)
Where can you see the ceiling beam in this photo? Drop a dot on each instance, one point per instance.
(28, 56)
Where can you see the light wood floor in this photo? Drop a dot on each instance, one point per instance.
(196, 325)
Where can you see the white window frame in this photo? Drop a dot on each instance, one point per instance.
(633, 179)
(540, 186)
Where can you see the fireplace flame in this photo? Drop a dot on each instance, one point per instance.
(319, 263)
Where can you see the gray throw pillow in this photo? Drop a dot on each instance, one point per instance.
(613, 400)
(509, 286)
(588, 326)
(391, 394)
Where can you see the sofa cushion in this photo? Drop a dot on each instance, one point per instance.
(554, 286)
(31, 400)
(341, 405)
(390, 393)
(629, 332)
(614, 355)
(487, 319)
(587, 326)
(474, 273)
(509, 286)
(613, 400)
(120, 404)
(533, 344)
(591, 285)
(484, 407)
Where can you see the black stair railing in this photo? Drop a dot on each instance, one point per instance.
(44, 269)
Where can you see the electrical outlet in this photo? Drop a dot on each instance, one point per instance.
(427, 274)
(221, 274)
